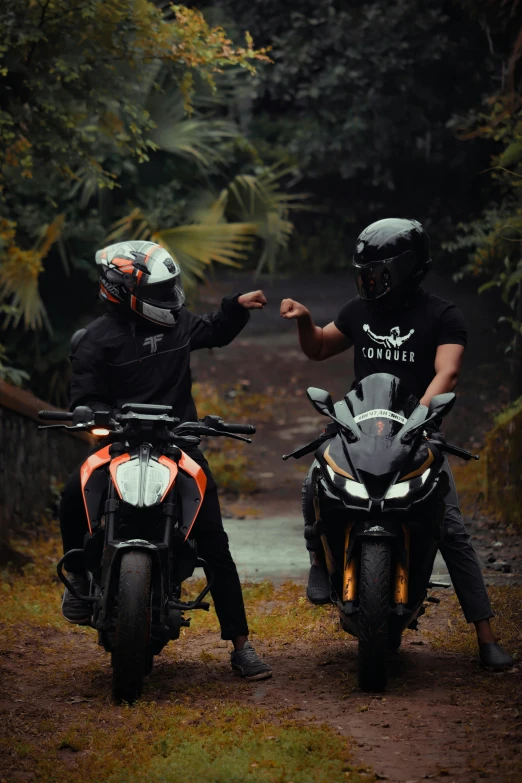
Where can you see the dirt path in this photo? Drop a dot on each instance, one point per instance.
(441, 717)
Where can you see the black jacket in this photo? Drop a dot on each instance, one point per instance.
(118, 359)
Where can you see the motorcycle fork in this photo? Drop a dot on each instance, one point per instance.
(400, 594)
(330, 562)
(349, 573)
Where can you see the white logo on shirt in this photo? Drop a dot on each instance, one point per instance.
(391, 343)
(153, 342)
(394, 340)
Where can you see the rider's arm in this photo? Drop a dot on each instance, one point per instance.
(448, 361)
(318, 343)
(451, 338)
(89, 374)
(220, 328)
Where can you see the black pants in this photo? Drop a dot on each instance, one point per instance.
(208, 532)
(458, 553)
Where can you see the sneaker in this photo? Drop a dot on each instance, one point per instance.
(74, 610)
(318, 590)
(494, 658)
(247, 663)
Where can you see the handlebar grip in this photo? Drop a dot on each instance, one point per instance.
(238, 429)
(55, 415)
(457, 452)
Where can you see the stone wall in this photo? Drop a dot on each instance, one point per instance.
(504, 466)
(30, 460)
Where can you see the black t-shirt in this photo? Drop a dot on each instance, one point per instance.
(402, 343)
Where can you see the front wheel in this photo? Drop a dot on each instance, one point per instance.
(131, 651)
(374, 614)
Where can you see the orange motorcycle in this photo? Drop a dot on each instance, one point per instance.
(142, 494)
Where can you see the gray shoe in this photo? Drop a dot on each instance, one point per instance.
(74, 610)
(494, 658)
(247, 663)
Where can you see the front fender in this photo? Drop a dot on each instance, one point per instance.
(112, 555)
(369, 529)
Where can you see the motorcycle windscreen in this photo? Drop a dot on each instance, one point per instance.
(381, 404)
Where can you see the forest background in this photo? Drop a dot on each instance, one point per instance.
(262, 135)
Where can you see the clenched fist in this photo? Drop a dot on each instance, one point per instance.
(255, 300)
(291, 309)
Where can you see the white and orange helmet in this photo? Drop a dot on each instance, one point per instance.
(143, 277)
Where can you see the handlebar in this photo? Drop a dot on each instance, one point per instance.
(456, 451)
(85, 419)
(55, 415)
(239, 429)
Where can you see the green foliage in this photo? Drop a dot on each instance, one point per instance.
(76, 79)
(359, 97)
(99, 103)
(230, 461)
(258, 199)
(7, 372)
(494, 241)
(504, 458)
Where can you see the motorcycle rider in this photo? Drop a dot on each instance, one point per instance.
(398, 328)
(139, 351)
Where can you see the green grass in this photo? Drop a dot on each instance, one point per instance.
(216, 742)
(194, 732)
(279, 615)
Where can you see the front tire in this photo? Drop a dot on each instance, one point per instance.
(131, 652)
(374, 614)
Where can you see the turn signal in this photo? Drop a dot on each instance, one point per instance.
(101, 432)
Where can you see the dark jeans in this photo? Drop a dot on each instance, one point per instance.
(208, 532)
(460, 558)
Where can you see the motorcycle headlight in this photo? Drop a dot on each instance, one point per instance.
(142, 485)
(405, 487)
(351, 487)
(156, 481)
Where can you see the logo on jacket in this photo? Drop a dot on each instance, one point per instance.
(153, 342)
(391, 343)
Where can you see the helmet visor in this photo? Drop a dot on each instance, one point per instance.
(167, 294)
(377, 279)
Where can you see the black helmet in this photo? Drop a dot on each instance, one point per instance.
(391, 258)
(143, 277)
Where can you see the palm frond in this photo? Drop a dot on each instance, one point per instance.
(19, 276)
(197, 246)
(195, 138)
(132, 226)
(258, 198)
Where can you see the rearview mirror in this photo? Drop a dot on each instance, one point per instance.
(441, 404)
(321, 401)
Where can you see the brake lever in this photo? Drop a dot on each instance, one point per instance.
(202, 430)
(235, 437)
(302, 451)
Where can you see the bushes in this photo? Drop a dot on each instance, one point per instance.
(504, 465)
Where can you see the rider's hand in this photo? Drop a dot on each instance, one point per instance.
(255, 300)
(366, 327)
(291, 309)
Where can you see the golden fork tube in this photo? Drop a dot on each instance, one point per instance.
(349, 581)
(401, 572)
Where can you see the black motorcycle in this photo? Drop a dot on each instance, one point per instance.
(142, 494)
(375, 498)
